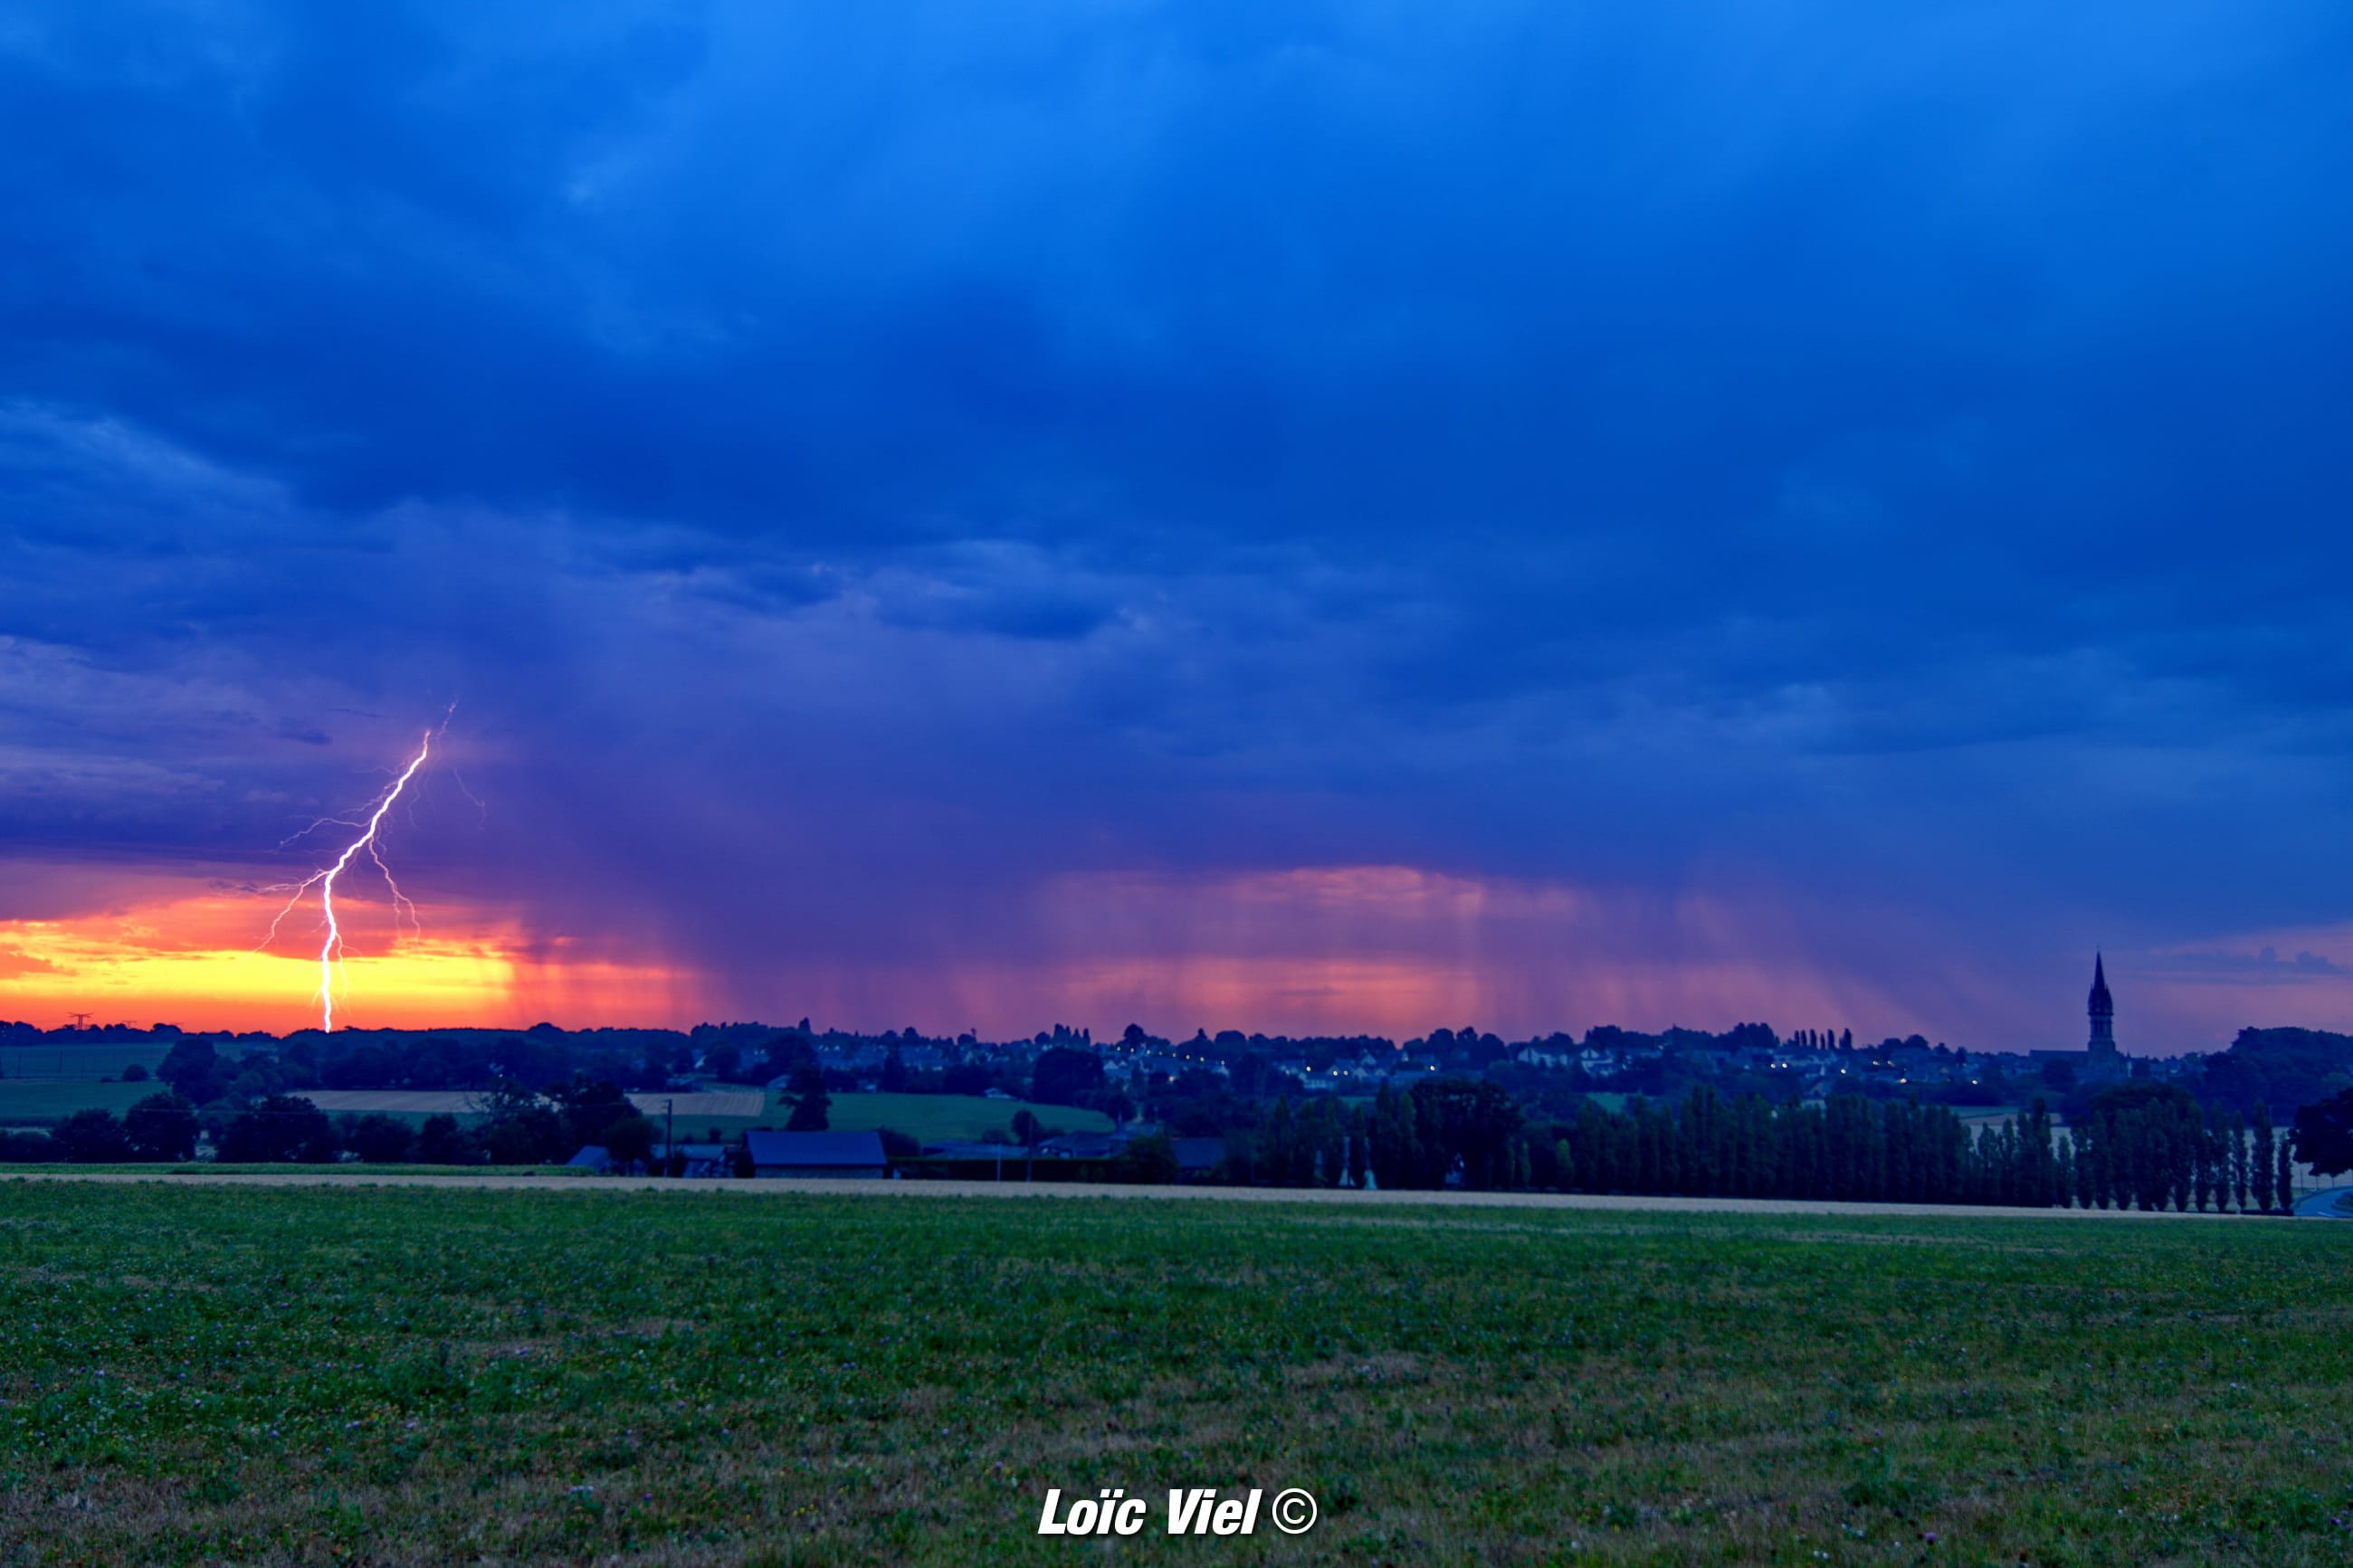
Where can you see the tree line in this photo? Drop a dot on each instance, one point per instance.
(514, 1126)
(2137, 1145)
(2141, 1146)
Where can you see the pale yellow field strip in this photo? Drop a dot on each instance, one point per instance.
(687, 1105)
(461, 1102)
(415, 1101)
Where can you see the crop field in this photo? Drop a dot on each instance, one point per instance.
(929, 1117)
(950, 1116)
(743, 1105)
(42, 1101)
(86, 1061)
(406, 1102)
(726, 1112)
(413, 1375)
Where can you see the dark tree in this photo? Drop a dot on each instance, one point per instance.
(1465, 1126)
(520, 1128)
(533, 1135)
(2142, 1139)
(785, 1053)
(1028, 1131)
(194, 1069)
(2286, 1184)
(92, 1137)
(2260, 1160)
(811, 1105)
(162, 1126)
(589, 1110)
(363, 1067)
(629, 1139)
(1397, 1153)
(965, 1077)
(1066, 1076)
(894, 1072)
(2323, 1138)
(279, 1129)
(379, 1139)
(441, 1141)
(1150, 1160)
(2208, 1157)
(2234, 1134)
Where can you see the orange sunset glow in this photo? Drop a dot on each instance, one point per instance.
(193, 960)
(1382, 950)
(1379, 949)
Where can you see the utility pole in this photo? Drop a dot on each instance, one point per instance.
(80, 1020)
(670, 1133)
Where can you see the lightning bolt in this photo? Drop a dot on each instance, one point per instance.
(331, 947)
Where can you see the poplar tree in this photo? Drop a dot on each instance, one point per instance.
(2201, 1174)
(2236, 1131)
(2261, 1159)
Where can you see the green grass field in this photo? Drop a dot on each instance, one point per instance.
(422, 1377)
(950, 1116)
(96, 1059)
(929, 1117)
(36, 1099)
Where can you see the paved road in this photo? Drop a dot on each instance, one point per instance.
(2329, 1203)
(1073, 1191)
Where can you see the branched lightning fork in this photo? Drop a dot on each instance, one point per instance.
(331, 947)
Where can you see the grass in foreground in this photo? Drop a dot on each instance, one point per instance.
(405, 1375)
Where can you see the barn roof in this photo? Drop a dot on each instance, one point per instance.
(843, 1149)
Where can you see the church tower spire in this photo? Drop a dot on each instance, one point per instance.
(2103, 1014)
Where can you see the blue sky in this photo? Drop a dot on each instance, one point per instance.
(1272, 515)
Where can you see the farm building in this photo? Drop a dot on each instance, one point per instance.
(1087, 1145)
(1196, 1157)
(701, 1160)
(816, 1153)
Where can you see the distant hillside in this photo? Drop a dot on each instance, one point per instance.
(2283, 1068)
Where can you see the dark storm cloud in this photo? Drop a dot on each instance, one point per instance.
(853, 468)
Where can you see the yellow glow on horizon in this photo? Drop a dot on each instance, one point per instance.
(188, 961)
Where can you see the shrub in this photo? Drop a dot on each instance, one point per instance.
(162, 1126)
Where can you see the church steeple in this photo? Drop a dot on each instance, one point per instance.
(2103, 1013)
